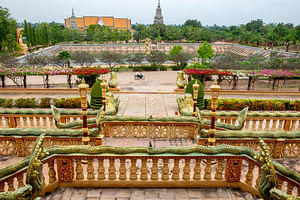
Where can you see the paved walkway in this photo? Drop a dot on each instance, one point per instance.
(148, 194)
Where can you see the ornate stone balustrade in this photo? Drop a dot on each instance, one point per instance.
(278, 148)
(262, 121)
(42, 118)
(193, 166)
(150, 129)
(37, 118)
(22, 146)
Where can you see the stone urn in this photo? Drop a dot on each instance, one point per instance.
(113, 83)
(180, 81)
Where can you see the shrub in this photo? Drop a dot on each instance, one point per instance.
(8, 103)
(163, 68)
(25, 103)
(122, 69)
(73, 102)
(145, 68)
(200, 98)
(96, 95)
(177, 67)
(255, 104)
(45, 103)
(2, 102)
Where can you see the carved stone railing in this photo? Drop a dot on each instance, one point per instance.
(42, 118)
(37, 118)
(194, 166)
(22, 146)
(148, 127)
(278, 148)
(262, 121)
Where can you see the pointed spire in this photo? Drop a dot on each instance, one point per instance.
(73, 23)
(158, 19)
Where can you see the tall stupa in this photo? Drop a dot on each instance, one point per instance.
(73, 23)
(158, 19)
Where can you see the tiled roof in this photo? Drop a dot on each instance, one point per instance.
(79, 22)
(85, 21)
(121, 23)
(108, 21)
(88, 20)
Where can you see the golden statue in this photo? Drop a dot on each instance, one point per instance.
(195, 60)
(113, 82)
(23, 47)
(180, 81)
(148, 46)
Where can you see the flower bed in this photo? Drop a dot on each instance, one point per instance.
(208, 72)
(43, 71)
(277, 73)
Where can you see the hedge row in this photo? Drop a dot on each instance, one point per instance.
(42, 103)
(223, 104)
(255, 104)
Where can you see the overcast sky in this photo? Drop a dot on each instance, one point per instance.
(209, 12)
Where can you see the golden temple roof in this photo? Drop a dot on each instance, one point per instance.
(111, 22)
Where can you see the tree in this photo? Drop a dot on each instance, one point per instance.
(7, 60)
(134, 59)
(83, 58)
(65, 57)
(91, 32)
(110, 58)
(140, 32)
(173, 33)
(56, 32)
(54, 60)
(157, 57)
(193, 23)
(73, 35)
(178, 56)
(156, 30)
(297, 32)
(255, 25)
(7, 31)
(124, 35)
(37, 61)
(205, 52)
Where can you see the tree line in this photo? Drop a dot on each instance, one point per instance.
(255, 33)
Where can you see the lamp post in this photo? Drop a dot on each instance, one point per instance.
(195, 96)
(215, 91)
(103, 89)
(83, 90)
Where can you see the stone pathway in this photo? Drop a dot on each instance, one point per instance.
(148, 194)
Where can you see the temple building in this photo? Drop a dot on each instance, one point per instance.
(158, 19)
(82, 23)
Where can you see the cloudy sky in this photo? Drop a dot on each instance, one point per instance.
(209, 12)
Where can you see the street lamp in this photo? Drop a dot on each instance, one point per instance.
(83, 90)
(103, 89)
(195, 91)
(215, 91)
